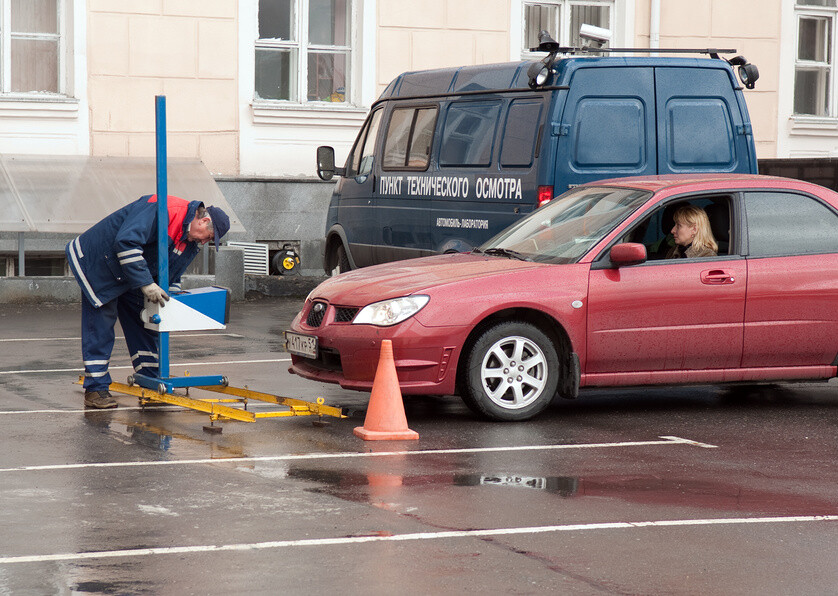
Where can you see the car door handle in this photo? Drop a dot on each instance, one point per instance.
(717, 277)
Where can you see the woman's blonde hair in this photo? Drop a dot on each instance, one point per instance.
(696, 216)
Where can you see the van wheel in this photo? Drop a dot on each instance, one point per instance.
(340, 261)
(512, 372)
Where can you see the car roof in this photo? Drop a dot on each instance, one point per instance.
(698, 182)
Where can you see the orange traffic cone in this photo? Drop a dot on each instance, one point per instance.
(385, 418)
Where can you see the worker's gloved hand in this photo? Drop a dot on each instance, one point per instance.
(155, 294)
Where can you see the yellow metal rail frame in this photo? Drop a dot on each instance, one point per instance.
(218, 411)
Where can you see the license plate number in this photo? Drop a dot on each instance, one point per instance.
(301, 345)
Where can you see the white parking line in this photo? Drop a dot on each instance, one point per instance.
(55, 370)
(351, 540)
(345, 455)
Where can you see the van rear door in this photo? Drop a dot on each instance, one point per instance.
(700, 124)
(607, 129)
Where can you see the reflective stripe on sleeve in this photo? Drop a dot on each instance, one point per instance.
(133, 251)
(77, 267)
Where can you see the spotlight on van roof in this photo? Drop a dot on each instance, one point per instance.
(539, 72)
(748, 73)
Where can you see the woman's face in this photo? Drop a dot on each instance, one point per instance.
(684, 233)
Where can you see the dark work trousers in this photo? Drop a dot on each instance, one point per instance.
(97, 338)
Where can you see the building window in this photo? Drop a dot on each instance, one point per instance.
(813, 67)
(31, 46)
(304, 53)
(563, 18)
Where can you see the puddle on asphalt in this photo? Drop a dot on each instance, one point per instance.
(155, 437)
(374, 488)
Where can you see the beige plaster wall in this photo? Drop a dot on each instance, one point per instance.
(424, 34)
(183, 49)
(752, 27)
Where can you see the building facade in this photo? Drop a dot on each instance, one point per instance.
(254, 86)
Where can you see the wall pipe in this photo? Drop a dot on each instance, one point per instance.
(655, 25)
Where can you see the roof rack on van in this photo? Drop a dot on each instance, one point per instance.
(539, 72)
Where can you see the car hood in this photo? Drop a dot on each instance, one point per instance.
(401, 278)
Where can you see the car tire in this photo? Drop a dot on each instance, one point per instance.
(340, 261)
(512, 372)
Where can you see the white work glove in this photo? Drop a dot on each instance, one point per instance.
(155, 294)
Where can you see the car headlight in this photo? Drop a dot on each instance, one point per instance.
(390, 312)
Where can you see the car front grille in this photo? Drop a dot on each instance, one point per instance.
(316, 314)
(344, 314)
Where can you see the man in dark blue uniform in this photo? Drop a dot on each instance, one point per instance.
(115, 263)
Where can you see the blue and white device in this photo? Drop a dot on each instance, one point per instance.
(193, 310)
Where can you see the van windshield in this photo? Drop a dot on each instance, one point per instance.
(568, 226)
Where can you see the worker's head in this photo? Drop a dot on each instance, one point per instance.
(209, 223)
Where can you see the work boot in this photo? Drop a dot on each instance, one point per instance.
(101, 400)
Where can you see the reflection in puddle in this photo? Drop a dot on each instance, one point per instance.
(129, 431)
(563, 485)
(379, 489)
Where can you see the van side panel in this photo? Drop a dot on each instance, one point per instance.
(607, 128)
(487, 168)
(699, 122)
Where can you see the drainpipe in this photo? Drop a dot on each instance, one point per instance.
(655, 26)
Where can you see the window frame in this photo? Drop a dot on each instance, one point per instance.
(563, 35)
(6, 37)
(746, 236)
(804, 11)
(304, 49)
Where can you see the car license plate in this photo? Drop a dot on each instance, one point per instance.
(301, 345)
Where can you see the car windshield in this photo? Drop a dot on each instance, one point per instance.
(568, 226)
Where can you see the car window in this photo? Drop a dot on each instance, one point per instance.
(468, 133)
(783, 223)
(360, 162)
(655, 230)
(568, 226)
(519, 134)
(409, 137)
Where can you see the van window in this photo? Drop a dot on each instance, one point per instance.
(519, 134)
(360, 162)
(700, 132)
(610, 132)
(409, 138)
(469, 133)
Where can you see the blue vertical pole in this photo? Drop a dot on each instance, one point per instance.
(162, 224)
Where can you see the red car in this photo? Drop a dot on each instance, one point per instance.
(609, 284)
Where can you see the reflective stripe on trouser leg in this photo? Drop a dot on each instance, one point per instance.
(97, 337)
(142, 342)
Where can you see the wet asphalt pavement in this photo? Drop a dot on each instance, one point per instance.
(699, 490)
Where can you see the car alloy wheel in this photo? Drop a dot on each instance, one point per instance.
(512, 372)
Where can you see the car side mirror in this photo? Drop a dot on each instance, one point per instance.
(627, 253)
(326, 169)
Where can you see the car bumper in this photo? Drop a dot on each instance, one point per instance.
(425, 357)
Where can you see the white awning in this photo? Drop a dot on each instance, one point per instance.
(68, 194)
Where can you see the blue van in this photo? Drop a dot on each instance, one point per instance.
(448, 158)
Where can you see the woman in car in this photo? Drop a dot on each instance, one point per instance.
(693, 237)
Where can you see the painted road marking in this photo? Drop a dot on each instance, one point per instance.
(14, 339)
(179, 364)
(351, 540)
(348, 454)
